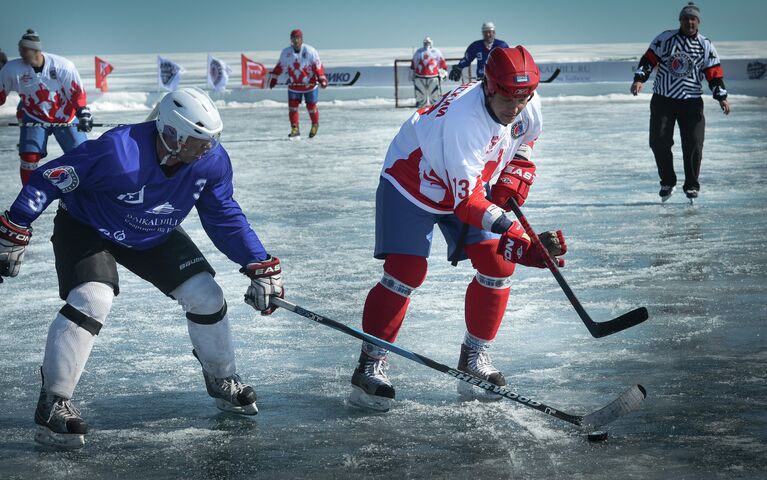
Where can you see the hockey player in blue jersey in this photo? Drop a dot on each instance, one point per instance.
(122, 199)
(480, 50)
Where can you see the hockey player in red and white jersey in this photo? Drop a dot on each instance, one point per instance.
(437, 171)
(429, 68)
(51, 92)
(305, 72)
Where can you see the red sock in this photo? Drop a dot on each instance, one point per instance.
(28, 165)
(484, 309)
(486, 301)
(293, 112)
(314, 112)
(384, 308)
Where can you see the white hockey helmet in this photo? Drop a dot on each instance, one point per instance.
(188, 112)
(427, 41)
(488, 27)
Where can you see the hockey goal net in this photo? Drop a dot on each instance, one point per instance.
(404, 93)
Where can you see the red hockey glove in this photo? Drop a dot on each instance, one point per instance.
(13, 241)
(515, 246)
(272, 81)
(514, 182)
(323, 81)
(265, 283)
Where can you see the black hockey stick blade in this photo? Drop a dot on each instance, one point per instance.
(552, 77)
(627, 320)
(628, 401)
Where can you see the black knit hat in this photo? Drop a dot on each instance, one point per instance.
(31, 40)
(691, 10)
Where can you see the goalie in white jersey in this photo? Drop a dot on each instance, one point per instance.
(51, 92)
(437, 170)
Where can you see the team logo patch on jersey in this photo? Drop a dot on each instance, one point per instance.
(680, 64)
(64, 178)
(756, 70)
(164, 209)
(519, 127)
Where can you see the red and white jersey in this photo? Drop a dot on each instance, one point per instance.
(304, 68)
(443, 154)
(427, 62)
(53, 95)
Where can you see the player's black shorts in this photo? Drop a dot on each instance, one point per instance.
(82, 255)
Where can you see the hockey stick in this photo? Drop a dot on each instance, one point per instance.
(597, 330)
(627, 402)
(552, 77)
(338, 84)
(62, 124)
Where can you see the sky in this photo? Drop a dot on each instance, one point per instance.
(141, 26)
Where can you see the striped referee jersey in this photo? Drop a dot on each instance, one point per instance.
(683, 62)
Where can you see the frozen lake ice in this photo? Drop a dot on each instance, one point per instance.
(700, 270)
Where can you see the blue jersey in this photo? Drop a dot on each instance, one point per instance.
(479, 51)
(115, 185)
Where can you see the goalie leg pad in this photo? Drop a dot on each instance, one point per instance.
(387, 302)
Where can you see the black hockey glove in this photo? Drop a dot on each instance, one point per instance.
(13, 241)
(85, 119)
(455, 73)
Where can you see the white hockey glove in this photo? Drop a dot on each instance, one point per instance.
(442, 74)
(13, 241)
(265, 283)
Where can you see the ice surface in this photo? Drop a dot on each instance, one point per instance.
(699, 270)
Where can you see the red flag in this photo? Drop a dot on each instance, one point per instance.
(253, 73)
(102, 70)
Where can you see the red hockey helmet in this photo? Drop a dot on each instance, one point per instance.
(512, 72)
(296, 33)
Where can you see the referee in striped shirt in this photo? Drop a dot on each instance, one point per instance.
(683, 58)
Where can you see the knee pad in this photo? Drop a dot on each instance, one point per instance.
(311, 107)
(492, 270)
(403, 273)
(293, 105)
(29, 160)
(201, 298)
(88, 305)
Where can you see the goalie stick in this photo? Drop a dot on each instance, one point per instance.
(628, 401)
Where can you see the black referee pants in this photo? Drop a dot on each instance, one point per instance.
(664, 113)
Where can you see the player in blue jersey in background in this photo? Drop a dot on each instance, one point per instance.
(480, 50)
(122, 199)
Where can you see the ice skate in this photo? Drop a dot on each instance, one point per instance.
(692, 195)
(59, 422)
(230, 393)
(665, 193)
(371, 387)
(294, 134)
(313, 130)
(478, 364)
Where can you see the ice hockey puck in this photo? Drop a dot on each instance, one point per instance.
(597, 436)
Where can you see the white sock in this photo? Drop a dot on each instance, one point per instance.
(68, 346)
(213, 344)
(214, 347)
(476, 343)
